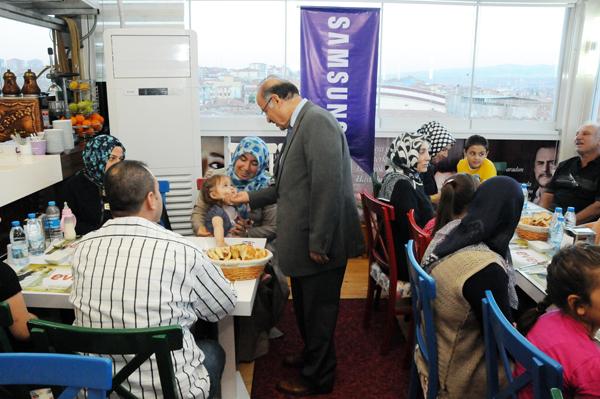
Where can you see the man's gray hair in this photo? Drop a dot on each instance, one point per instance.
(593, 124)
(283, 88)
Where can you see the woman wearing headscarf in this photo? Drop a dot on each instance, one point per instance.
(440, 142)
(248, 172)
(402, 187)
(84, 191)
(472, 258)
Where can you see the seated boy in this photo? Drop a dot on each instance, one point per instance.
(475, 161)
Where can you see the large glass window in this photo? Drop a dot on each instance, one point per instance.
(459, 62)
(24, 46)
(239, 44)
(517, 63)
(426, 58)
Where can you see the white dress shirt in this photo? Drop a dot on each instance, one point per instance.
(133, 273)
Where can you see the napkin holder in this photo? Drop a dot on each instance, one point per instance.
(581, 234)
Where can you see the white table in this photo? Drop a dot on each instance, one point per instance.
(232, 385)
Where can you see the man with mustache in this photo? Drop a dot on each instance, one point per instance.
(576, 181)
(544, 166)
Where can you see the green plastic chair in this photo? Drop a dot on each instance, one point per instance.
(141, 342)
(556, 393)
(6, 321)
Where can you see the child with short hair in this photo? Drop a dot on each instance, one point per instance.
(567, 334)
(475, 161)
(221, 215)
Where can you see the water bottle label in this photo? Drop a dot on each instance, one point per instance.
(19, 251)
(54, 223)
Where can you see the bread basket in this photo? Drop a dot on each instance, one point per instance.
(532, 233)
(235, 270)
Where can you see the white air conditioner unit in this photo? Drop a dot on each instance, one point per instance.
(153, 90)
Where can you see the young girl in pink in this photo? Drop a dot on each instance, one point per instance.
(566, 331)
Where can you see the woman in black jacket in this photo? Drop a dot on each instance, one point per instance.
(408, 157)
(84, 191)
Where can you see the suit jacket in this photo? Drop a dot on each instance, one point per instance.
(316, 210)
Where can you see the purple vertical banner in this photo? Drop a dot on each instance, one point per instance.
(338, 71)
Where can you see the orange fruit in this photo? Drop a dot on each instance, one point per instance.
(86, 122)
(79, 119)
(73, 121)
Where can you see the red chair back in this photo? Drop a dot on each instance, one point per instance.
(419, 236)
(380, 241)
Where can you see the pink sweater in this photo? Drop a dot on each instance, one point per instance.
(566, 341)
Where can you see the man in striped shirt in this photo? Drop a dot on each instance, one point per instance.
(133, 273)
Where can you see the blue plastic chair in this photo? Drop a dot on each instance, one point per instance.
(164, 186)
(422, 287)
(74, 372)
(502, 340)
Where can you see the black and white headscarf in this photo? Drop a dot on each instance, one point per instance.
(403, 156)
(438, 137)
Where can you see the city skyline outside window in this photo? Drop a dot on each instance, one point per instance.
(516, 72)
(426, 56)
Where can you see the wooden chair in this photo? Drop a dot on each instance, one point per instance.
(423, 292)
(501, 341)
(141, 342)
(75, 372)
(382, 254)
(419, 236)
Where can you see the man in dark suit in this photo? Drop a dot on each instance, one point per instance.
(317, 225)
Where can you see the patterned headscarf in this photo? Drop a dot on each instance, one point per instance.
(437, 135)
(403, 156)
(256, 147)
(95, 156)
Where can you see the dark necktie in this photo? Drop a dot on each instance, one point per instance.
(283, 149)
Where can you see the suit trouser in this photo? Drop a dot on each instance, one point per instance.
(316, 304)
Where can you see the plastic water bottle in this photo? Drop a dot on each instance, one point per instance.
(18, 241)
(557, 212)
(525, 195)
(556, 233)
(35, 235)
(53, 220)
(68, 222)
(570, 219)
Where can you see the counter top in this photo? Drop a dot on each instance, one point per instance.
(21, 175)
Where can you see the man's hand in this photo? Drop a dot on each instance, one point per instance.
(318, 258)
(239, 198)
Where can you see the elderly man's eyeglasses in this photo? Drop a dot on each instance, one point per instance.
(264, 109)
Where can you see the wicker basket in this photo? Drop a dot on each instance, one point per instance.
(236, 270)
(532, 233)
(235, 273)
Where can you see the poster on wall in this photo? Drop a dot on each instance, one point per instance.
(338, 71)
(528, 161)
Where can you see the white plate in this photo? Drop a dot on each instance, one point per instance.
(243, 263)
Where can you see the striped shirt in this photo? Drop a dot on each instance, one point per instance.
(133, 273)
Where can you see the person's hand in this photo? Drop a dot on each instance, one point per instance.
(318, 258)
(203, 232)
(240, 229)
(239, 198)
